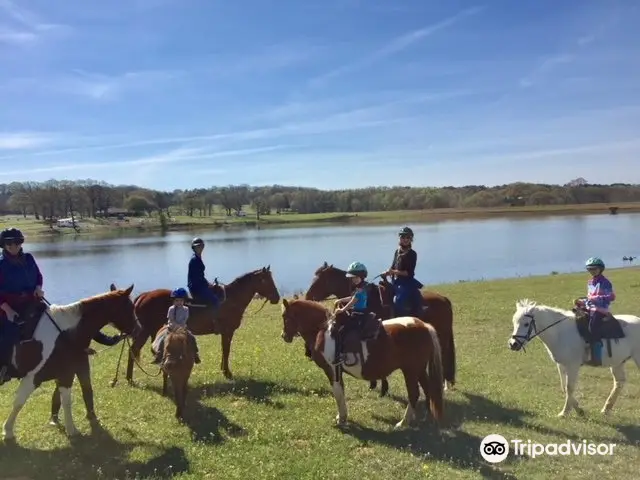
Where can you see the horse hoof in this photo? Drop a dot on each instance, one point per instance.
(605, 411)
(398, 426)
(73, 433)
(340, 421)
(112, 383)
(54, 421)
(562, 414)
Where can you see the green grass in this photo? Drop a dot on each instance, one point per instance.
(277, 419)
(106, 227)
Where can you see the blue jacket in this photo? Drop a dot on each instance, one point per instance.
(196, 280)
(600, 293)
(107, 340)
(19, 275)
(361, 298)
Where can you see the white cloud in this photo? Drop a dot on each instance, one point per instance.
(23, 140)
(29, 27)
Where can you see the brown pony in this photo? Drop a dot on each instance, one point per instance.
(59, 341)
(177, 363)
(404, 343)
(151, 310)
(329, 280)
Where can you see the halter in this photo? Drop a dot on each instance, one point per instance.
(522, 339)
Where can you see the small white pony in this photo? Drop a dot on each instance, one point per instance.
(558, 330)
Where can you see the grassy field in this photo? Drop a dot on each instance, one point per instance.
(276, 420)
(103, 227)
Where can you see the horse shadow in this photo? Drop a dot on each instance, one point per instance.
(259, 391)
(451, 444)
(210, 425)
(98, 455)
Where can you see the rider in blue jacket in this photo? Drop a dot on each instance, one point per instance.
(20, 286)
(196, 281)
(407, 288)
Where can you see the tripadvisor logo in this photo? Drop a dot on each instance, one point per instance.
(495, 448)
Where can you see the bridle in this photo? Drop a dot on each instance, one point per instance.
(523, 339)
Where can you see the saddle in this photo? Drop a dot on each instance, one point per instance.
(610, 329)
(369, 329)
(28, 319)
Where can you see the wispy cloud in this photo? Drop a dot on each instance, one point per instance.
(23, 140)
(396, 45)
(570, 53)
(97, 86)
(269, 58)
(28, 26)
(176, 155)
(373, 115)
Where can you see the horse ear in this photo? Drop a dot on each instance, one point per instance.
(269, 268)
(129, 290)
(215, 281)
(295, 296)
(285, 303)
(112, 287)
(331, 266)
(325, 264)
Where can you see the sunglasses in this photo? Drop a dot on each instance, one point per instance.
(10, 243)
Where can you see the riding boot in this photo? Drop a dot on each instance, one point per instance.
(4, 375)
(596, 353)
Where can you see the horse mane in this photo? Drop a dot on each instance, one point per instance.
(526, 304)
(64, 313)
(241, 280)
(326, 267)
(320, 308)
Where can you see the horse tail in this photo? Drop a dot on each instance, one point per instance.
(450, 369)
(435, 376)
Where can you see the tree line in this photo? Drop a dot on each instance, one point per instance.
(90, 198)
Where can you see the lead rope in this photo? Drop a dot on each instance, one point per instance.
(115, 378)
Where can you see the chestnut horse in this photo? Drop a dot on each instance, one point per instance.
(177, 363)
(329, 280)
(59, 341)
(404, 343)
(151, 310)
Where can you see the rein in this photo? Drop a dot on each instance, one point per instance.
(521, 339)
(135, 360)
(49, 316)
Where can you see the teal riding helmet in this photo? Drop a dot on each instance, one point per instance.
(357, 269)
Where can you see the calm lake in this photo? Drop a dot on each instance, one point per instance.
(447, 252)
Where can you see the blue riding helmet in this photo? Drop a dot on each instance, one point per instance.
(179, 293)
(594, 262)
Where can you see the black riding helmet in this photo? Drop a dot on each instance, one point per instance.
(196, 242)
(406, 232)
(11, 235)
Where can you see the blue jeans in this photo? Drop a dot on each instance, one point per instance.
(9, 337)
(408, 297)
(207, 295)
(595, 325)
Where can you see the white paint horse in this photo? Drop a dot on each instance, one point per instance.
(558, 330)
(59, 341)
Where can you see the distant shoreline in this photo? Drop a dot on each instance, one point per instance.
(97, 227)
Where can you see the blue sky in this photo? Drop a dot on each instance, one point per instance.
(333, 93)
